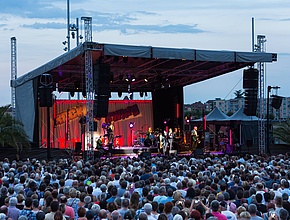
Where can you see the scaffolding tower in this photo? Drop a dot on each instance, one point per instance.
(89, 88)
(260, 47)
(13, 75)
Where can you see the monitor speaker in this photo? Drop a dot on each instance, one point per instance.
(199, 151)
(145, 154)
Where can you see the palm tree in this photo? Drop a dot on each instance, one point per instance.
(239, 94)
(282, 132)
(12, 133)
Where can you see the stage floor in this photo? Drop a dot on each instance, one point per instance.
(138, 150)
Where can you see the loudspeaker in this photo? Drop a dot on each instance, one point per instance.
(45, 96)
(101, 106)
(276, 101)
(145, 154)
(78, 146)
(199, 151)
(101, 79)
(250, 78)
(251, 101)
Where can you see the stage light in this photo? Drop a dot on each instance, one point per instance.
(84, 93)
(125, 59)
(165, 122)
(133, 78)
(146, 80)
(131, 124)
(73, 35)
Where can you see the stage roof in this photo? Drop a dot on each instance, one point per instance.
(161, 67)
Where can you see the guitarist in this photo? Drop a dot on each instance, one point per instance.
(194, 139)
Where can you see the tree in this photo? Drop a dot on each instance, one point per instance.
(12, 133)
(282, 131)
(239, 94)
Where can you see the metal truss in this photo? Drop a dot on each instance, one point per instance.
(261, 39)
(13, 74)
(89, 89)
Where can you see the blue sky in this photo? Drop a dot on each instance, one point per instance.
(40, 29)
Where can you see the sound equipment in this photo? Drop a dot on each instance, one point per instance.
(251, 101)
(145, 154)
(199, 151)
(101, 80)
(45, 96)
(78, 146)
(101, 106)
(250, 78)
(276, 101)
(147, 142)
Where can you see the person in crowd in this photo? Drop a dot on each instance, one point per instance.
(13, 212)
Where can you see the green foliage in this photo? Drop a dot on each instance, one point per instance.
(12, 133)
(282, 131)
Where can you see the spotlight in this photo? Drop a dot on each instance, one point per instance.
(73, 35)
(77, 85)
(131, 125)
(84, 93)
(165, 122)
(146, 80)
(125, 59)
(111, 77)
(133, 78)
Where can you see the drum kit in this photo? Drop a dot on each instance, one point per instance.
(141, 137)
(144, 140)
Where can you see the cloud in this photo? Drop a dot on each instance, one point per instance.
(49, 25)
(136, 29)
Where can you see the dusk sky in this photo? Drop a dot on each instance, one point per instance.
(40, 28)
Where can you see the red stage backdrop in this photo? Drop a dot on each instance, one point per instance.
(66, 127)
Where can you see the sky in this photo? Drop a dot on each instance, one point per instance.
(40, 27)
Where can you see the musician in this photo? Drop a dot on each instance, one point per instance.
(164, 143)
(170, 136)
(110, 132)
(99, 142)
(149, 134)
(194, 138)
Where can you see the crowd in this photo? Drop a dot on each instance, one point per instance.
(248, 187)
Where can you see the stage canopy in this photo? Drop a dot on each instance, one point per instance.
(154, 68)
